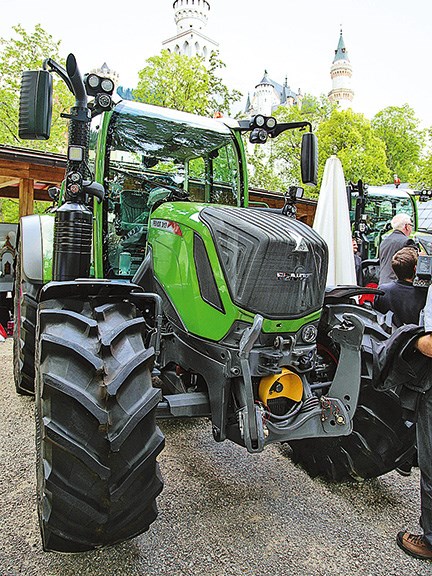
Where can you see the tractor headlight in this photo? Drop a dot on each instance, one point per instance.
(93, 81)
(258, 136)
(309, 333)
(104, 100)
(107, 85)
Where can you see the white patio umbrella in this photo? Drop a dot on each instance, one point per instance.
(333, 224)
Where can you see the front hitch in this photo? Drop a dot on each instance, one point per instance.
(250, 420)
(330, 414)
(346, 381)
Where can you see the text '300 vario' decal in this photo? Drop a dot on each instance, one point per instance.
(167, 225)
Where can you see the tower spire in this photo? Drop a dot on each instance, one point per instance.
(341, 74)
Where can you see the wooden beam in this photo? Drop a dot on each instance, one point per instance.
(26, 197)
(35, 171)
(6, 182)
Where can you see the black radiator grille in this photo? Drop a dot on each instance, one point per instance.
(273, 265)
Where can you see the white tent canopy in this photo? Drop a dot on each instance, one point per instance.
(333, 224)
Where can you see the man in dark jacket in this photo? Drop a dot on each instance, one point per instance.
(401, 297)
(402, 227)
(404, 363)
(357, 262)
(420, 545)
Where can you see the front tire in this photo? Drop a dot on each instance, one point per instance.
(380, 440)
(96, 434)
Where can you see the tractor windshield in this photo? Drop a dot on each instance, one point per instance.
(156, 155)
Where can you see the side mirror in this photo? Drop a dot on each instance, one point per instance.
(349, 197)
(309, 159)
(35, 105)
(54, 193)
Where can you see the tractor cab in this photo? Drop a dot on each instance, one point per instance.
(154, 155)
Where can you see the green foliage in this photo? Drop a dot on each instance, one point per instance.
(351, 137)
(184, 83)
(398, 127)
(220, 98)
(9, 209)
(263, 174)
(314, 110)
(27, 51)
(421, 177)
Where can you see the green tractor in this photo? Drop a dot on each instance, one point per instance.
(154, 290)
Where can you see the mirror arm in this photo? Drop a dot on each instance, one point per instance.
(279, 128)
(52, 66)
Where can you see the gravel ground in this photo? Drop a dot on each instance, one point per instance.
(223, 512)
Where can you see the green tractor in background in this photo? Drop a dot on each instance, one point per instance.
(371, 211)
(153, 290)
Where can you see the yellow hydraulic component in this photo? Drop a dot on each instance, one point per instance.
(287, 384)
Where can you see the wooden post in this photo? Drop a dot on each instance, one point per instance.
(26, 197)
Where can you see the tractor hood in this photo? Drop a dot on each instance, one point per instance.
(219, 264)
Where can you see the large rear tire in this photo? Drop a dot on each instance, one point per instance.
(96, 434)
(379, 442)
(26, 298)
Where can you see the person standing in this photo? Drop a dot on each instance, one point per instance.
(400, 296)
(402, 226)
(420, 545)
(357, 262)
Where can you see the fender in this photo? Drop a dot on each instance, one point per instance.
(37, 238)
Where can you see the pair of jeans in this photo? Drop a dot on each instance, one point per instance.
(424, 447)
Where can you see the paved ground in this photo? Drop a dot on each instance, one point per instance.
(222, 512)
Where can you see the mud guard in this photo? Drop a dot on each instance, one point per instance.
(37, 239)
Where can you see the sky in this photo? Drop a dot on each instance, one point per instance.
(389, 42)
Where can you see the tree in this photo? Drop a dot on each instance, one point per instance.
(351, 137)
(184, 83)
(421, 178)
(27, 51)
(398, 127)
(9, 209)
(262, 172)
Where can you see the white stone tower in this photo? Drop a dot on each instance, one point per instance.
(269, 95)
(341, 73)
(191, 18)
(264, 97)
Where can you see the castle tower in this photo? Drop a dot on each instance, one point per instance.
(264, 97)
(341, 73)
(191, 18)
(269, 95)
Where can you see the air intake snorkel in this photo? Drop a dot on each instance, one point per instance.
(73, 220)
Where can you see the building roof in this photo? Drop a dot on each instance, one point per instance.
(265, 80)
(341, 52)
(283, 92)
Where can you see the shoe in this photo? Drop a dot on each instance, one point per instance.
(414, 545)
(404, 469)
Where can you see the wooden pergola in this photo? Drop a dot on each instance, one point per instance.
(27, 174)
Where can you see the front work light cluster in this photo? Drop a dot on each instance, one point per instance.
(260, 127)
(101, 88)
